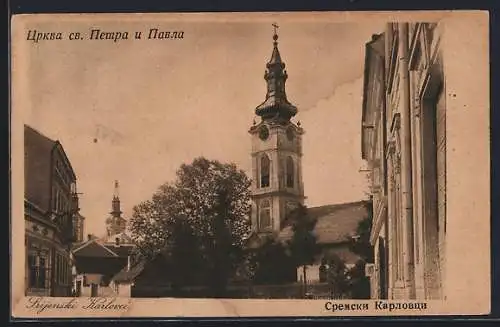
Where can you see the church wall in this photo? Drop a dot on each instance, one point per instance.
(278, 148)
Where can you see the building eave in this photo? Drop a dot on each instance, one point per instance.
(366, 74)
(67, 162)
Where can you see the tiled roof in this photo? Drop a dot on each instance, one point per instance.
(93, 248)
(127, 275)
(334, 223)
(137, 267)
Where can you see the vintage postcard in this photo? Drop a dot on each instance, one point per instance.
(250, 164)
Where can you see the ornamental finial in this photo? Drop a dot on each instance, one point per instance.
(275, 36)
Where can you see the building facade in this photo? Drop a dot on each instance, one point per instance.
(404, 143)
(51, 204)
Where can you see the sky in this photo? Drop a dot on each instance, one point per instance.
(135, 110)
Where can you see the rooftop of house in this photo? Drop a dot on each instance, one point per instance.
(99, 248)
(137, 266)
(334, 223)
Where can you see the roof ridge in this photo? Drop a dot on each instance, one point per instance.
(96, 241)
(341, 204)
(39, 133)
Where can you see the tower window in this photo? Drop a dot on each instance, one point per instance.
(289, 172)
(265, 215)
(265, 165)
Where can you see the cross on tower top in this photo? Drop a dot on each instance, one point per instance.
(275, 27)
(275, 36)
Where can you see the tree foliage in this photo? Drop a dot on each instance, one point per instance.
(337, 275)
(359, 282)
(273, 264)
(303, 245)
(204, 213)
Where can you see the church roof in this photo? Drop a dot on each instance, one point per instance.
(275, 56)
(276, 106)
(335, 223)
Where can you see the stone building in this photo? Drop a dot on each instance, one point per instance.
(51, 205)
(404, 143)
(277, 185)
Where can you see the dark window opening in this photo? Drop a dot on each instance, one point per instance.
(289, 172)
(265, 215)
(265, 167)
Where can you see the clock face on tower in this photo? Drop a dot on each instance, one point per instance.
(263, 133)
(290, 134)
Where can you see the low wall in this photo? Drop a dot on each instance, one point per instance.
(286, 291)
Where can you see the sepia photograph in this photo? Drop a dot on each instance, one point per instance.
(325, 164)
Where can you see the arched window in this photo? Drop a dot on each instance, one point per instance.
(265, 215)
(289, 172)
(265, 167)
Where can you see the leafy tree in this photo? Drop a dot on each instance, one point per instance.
(184, 256)
(303, 246)
(272, 264)
(359, 283)
(212, 201)
(336, 275)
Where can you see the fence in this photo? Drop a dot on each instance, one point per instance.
(285, 291)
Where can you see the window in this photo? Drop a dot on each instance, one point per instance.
(289, 172)
(265, 167)
(42, 272)
(85, 282)
(57, 271)
(265, 215)
(38, 271)
(78, 288)
(33, 270)
(54, 198)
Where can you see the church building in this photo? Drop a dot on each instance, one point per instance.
(276, 152)
(115, 223)
(97, 260)
(277, 181)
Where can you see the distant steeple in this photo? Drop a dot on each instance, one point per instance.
(115, 205)
(276, 106)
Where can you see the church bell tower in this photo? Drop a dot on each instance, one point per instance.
(277, 185)
(115, 223)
